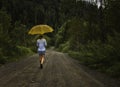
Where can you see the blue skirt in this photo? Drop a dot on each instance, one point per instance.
(41, 52)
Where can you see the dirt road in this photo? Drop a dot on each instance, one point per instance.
(59, 70)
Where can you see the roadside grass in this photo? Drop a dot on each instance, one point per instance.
(98, 63)
(20, 52)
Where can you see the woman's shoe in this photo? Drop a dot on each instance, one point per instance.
(41, 66)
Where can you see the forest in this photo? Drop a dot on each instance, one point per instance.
(85, 31)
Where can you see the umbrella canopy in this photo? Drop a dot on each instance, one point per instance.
(40, 29)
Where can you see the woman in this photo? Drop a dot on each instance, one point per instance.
(41, 44)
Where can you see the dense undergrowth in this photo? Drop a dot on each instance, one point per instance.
(102, 57)
(15, 54)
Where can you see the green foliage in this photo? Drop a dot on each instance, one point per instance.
(114, 70)
(77, 33)
(22, 36)
(61, 35)
(3, 59)
(21, 50)
(64, 47)
(49, 41)
(75, 55)
(5, 41)
(91, 34)
(112, 16)
(103, 57)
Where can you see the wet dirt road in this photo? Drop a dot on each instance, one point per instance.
(59, 70)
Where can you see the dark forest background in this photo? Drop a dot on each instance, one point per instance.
(81, 29)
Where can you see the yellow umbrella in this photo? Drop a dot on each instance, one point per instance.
(40, 29)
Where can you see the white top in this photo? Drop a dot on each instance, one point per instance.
(41, 43)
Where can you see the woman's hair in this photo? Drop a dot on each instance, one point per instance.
(41, 36)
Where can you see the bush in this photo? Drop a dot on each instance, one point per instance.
(102, 57)
(114, 70)
(23, 50)
(73, 54)
(3, 59)
(64, 47)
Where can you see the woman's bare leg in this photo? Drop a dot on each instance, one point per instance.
(42, 59)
